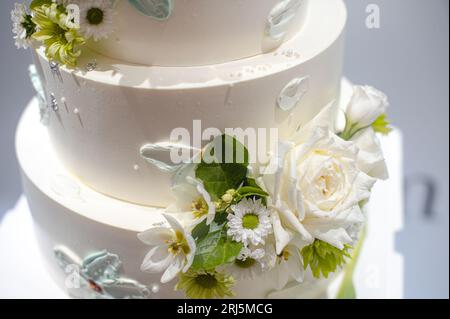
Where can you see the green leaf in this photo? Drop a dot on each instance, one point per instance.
(224, 166)
(200, 231)
(215, 249)
(251, 182)
(38, 3)
(218, 178)
(226, 149)
(248, 191)
(382, 125)
(324, 258)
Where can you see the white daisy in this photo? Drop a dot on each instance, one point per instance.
(18, 18)
(96, 18)
(248, 264)
(250, 222)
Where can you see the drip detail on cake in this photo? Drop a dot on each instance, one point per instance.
(281, 17)
(292, 93)
(157, 9)
(40, 93)
(98, 276)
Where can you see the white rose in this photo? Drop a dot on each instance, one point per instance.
(317, 186)
(366, 105)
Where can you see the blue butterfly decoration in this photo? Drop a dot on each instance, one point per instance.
(157, 9)
(97, 276)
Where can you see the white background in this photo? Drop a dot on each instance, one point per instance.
(407, 57)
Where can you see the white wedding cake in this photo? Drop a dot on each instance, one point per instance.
(125, 149)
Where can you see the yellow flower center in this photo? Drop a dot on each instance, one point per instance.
(200, 207)
(95, 16)
(207, 281)
(249, 262)
(250, 221)
(179, 244)
(285, 255)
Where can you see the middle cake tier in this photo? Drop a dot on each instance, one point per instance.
(100, 115)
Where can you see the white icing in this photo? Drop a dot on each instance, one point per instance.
(194, 32)
(293, 93)
(136, 104)
(64, 186)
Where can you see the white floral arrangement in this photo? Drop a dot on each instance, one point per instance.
(62, 27)
(304, 212)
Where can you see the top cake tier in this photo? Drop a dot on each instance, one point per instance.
(199, 32)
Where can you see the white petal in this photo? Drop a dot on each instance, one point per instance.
(274, 171)
(173, 270)
(184, 194)
(361, 190)
(157, 260)
(156, 236)
(174, 223)
(325, 119)
(336, 237)
(342, 219)
(370, 157)
(211, 206)
(191, 255)
(281, 276)
(366, 105)
(291, 220)
(282, 236)
(296, 266)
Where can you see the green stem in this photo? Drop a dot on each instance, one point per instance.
(347, 288)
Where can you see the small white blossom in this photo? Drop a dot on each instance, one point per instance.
(250, 222)
(173, 250)
(96, 18)
(18, 15)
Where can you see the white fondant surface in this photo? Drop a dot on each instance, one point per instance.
(105, 116)
(198, 32)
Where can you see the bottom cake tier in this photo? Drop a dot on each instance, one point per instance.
(89, 240)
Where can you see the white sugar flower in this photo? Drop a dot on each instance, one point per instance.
(18, 18)
(96, 18)
(173, 251)
(250, 222)
(248, 265)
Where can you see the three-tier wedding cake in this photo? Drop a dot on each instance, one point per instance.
(125, 151)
